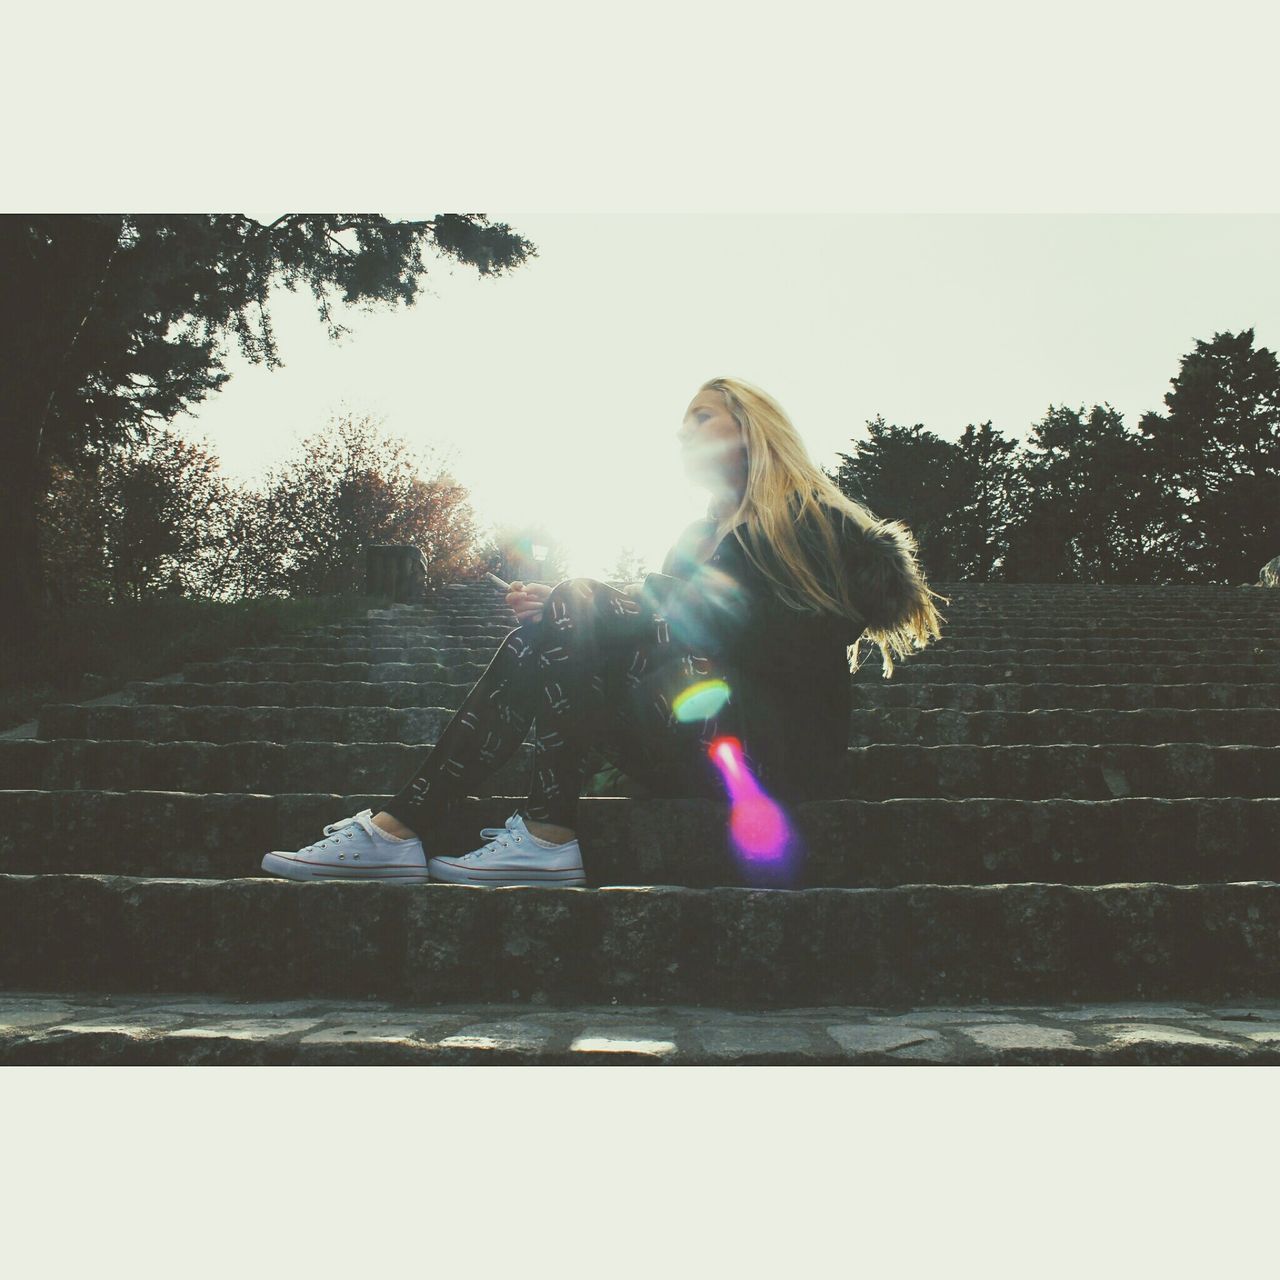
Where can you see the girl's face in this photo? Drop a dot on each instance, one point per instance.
(711, 444)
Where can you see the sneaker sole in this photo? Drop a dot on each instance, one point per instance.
(290, 869)
(573, 876)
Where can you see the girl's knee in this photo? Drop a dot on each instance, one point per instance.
(569, 594)
(520, 643)
(572, 587)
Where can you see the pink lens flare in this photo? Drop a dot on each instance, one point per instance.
(757, 825)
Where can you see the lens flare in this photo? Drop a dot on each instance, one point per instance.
(700, 701)
(758, 827)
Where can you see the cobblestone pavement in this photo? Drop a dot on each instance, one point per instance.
(46, 1029)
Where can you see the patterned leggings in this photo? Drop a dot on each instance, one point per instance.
(598, 669)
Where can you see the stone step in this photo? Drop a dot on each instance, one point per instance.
(964, 592)
(1169, 620)
(940, 661)
(421, 726)
(1039, 607)
(52, 1028)
(428, 649)
(989, 636)
(1042, 612)
(845, 843)
(941, 727)
(1127, 597)
(956, 591)
(310, 693)
(1000, 589)
(989, 670)
(970, 590)
(1052, 651)
(728, 947)
(885, 693)
(1018, 668)
(1084, 771)
(1212, 618)
(963, 587)
(241, 669)
(1037, 597)
(1048, 696)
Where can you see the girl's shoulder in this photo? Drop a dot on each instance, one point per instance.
(696, 541)
(808, 527)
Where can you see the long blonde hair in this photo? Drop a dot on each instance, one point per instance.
(891, 601)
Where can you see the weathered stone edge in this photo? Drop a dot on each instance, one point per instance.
(40, 1028)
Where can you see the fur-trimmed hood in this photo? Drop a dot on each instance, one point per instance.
(883, 572)
(888, 586)
(879, 563)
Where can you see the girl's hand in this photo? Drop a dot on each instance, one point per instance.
(526, 600)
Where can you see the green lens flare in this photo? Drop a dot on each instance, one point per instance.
(700, 701)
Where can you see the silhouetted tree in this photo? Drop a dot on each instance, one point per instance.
(1190, 496)
(350, 486)
(75, 566)
(630, 566)
(987, 490)
(1216, 454)
(906, 474)
(114, 323)
(156, 516)
(136, 519)
(1087, 501)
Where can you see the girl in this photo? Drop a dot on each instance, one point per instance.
(769, 594)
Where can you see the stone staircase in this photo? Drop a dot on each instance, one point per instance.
(1058, 842)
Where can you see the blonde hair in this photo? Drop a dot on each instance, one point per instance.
(785, 488)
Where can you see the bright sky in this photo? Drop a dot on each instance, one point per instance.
(555, 392)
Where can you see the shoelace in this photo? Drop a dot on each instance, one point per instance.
(341, 830)
(498, 837)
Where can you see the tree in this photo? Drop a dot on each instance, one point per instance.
(629, 567)
(350, 486)
(115, 323)
(136, 519)
(74, 556)
(160, 514)
(989, 490)
(242, 565)
(1216, 453)
(906, 474)
(1089, 502)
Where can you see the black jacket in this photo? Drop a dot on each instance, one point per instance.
(788, 670)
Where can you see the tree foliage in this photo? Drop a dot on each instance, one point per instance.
(1091, 502)
(353, 485)
(630, 566)
(115, 323)
(899, 469)
(135, 520)
(157, 516)
(1190, 496)
(1215, 454)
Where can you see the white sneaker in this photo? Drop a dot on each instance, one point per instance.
(512, 856)
(353, 849)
